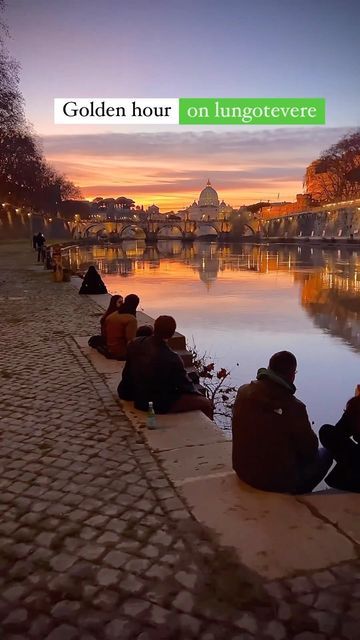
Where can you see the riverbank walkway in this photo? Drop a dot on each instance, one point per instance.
(96, 541)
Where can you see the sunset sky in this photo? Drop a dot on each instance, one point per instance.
(266, 48)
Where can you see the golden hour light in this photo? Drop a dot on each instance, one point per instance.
(180, 320)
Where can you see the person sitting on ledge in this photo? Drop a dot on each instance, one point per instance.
(343, 442)
(274, 447)
(99, 342)
(92, 283)
(145, 330)
(120, 327)
(154, 372)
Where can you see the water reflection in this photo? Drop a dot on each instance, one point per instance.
(329, 279)
(243, 302)
(331, 298)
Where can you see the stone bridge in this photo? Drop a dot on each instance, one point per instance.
(153, 229)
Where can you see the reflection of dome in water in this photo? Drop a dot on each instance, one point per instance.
(207, 277)
(208, 197)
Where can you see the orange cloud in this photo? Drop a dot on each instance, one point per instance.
(170, 169)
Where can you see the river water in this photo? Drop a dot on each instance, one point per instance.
(241, 303)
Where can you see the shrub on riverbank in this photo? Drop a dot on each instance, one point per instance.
(217, 385)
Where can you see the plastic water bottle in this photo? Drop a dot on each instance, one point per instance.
(151, 418)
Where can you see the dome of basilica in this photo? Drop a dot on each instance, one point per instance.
(208, 197)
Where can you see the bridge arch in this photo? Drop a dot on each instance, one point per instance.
(170, 226)
(90, 228)
(248, 226)
(134, 226)
(209, 225)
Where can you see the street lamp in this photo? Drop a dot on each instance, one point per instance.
(31, 229)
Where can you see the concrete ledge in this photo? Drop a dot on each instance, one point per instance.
(276, 535)
(100, 363)
(341, 509)
(198, 462)
(177, 342)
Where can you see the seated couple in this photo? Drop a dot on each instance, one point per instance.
(118, 327)
(155, 373)
(274, 447)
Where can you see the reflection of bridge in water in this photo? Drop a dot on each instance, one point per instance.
(151, 230)
(329, 279)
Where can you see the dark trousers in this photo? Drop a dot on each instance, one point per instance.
(346, 452)
(310, 475)
(99, 343)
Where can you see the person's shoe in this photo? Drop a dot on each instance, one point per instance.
(339, 478)
(336, 479)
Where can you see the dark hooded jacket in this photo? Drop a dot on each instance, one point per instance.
(272, 435)
(153, 372)
(92, 283)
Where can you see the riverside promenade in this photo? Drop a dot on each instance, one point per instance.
(95, 540)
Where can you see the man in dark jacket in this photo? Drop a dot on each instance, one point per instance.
(40, 242)
(155, 373)
(274, 446)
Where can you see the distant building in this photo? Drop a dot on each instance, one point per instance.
(207, 207)
(276, 210)
(113, 208)
(153, 211)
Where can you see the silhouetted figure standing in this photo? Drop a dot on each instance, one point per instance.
(40, 241)
(92, 283)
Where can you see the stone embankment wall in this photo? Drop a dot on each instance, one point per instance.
(326, 222)
(21, 226)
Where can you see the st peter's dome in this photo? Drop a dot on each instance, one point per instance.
(208, 197)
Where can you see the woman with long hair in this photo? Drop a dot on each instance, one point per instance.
(115, 303)
(121, 326)
(99, 342)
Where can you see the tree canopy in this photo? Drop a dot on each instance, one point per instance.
(25, 176)
(335, 175)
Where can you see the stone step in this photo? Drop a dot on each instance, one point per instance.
(186, 357)
(178, 342)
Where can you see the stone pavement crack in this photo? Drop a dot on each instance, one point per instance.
(315, 512)
(95, 542)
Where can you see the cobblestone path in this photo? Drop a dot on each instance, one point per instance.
(95, 543)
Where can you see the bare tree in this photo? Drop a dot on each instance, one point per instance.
(25, 176)
(11, 101)
(335, 176)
